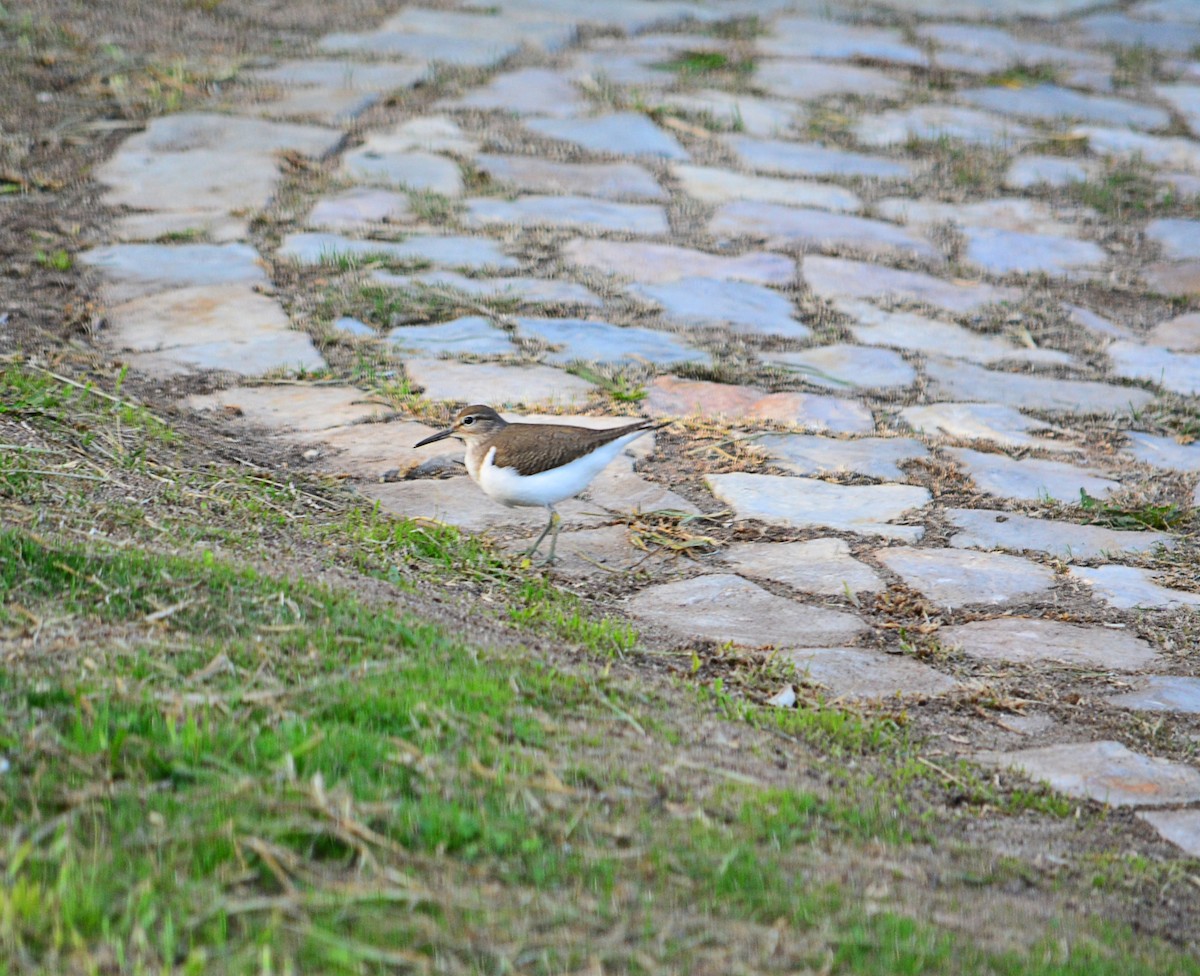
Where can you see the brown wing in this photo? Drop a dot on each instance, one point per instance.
(554, 445)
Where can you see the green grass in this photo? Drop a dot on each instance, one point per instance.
(694, 63)
(1125, 190)
(1148, 516)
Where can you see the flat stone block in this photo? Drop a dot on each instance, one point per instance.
(1002, 425)
(813, 159)
(808, 454)
(1177, 371)
(460, 502)
(712, 185)
(434, 49)
(1050, 102)
(989, 529)
(843, 278)
(1180, 279)
(1181, 334)
(828, 39)
(742, 307)
(1005, 213)
(527, 91)
(1163, 452)
(857, 674)
(621, 134)
(1178, 238)
(931, 123)
(133, 270)
(414, 170)
(1128, 588)
(336, 106)
(808, 79)
(1180, 827)
(1117, 28)
(724, 607)
(500, 386)
(1002, 252)
(655, 263)
(954, 578)
(670, 396)
(806, 502)
(213, 228)
(526, 291)
(609, 181)
(449, 251)
(349, 326)
(1029, 171)
(359, 208)
(581, 339)
(965, 381)
(339, 73)
(1032, 479)
(1185, 99)
(822, 566)
(1172, 152)
(844, 367)
(1106, 772)
(619, 488)
(730, 111)
(568, 211)
(290, 409)
(425, 133)
(598, 553)
(471, 334)
(1162, 693)
(1024, 640)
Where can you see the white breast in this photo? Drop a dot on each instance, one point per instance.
(508, 487)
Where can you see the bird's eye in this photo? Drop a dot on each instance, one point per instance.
(467, 421)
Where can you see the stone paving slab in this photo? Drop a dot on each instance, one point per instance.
(730, 111)
(821, 566)
(965, 381)
(1163, 452)
(744, 308)
(1106, 772)
(621, 133)
(713, 185)
(453, 251)
(1181, 333)
(581, 339)
(1049, 102)
(1162, 693)
(1030, 171)
(299, 408)
(954, 578)
(932, 123)
(609, 181)
(1180, 827)
(835, 278)
(412, 170)
(847, 367)
(720, 605)
(657, 263)
(804, 79)
(1031, 479)
(525, 291)
(1002, 252)
(599, 553)
(669, 396)
(135, 270)
(808, 503)
(995, 422)
(779, 157)
(568, 211)
(813, 38)
(1031, 640)
(527, 91)
(500, 386)
(982, 528)
(1176, 371)
(857, 674)
(359, 209)
(472, 334)
(809, 454)
(1129, 588)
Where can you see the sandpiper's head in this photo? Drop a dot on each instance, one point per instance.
(475, 422)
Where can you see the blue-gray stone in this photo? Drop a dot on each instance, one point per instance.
(933, 123)
(579, 339)
(528, 291)
(1176, 371)
(558, 211)
(826, 39)
(473, 334)
(353, 327)
(612, 181)
(745, 308)
(813, 159)
(529, 91)
(452, 252)
(1163, 452)
(142, 269)
(413, 170)
(1178, 238)
(1051, 102)
(1117, 28)
(621, 133)
(467, 51)
(1008, 251)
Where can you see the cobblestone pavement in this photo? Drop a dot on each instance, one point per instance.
(920, 289)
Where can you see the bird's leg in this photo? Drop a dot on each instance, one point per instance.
(556, 521)
(532, 549)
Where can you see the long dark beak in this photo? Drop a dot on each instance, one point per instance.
(440, 435)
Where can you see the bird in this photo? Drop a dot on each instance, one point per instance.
(527, 464)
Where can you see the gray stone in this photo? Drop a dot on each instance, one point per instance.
(781, 226)
(932, 123)
(1003, 252)
(1181, 333)
(1032, 479)
(414, 170)
(965, 381)
(808, 503)
(724, 607)
(339, 74)
(1184, 10)
(354, 328)
(620, 489)
(1163, 452)
(790, 77)
(1175, 278)
(560, 211)
(906, 330)
(954, 578)
(813, 159)
(1089, 320)
(599, 553)
(540, 29)
(982, 528)
(358, 209)
(471, 334)
(822, 566)
(1106, 772)
(293, 409)
(1051, 102)
(500, 386)
(579, 339)
(989, 49)
(610, 181)
(721, 186)
(730, 111)
(459, 502)
(463, 51)
(1178, 238)
(875, 457)
(995, 422)
(205, 163)
(843, 367)
(330, 106)
(828, 39)
(991, 9)
(1005, 213)
(670, 396)
(621, 133)
(1173, 152)
(841, 278)
(609, 67)
(526, 291)
(1116, 28)
(656, 263)
(1162, 693)
(1024, 640)
(743, 307)
(1127, 588)
(132, 270)
(1175, 371)
(527, 91)
(856, 674)
(1180, 827)
(451, 251)
(425, 133)
(1028, 171)
(227, 327)
(1185, 99)
(211, 228)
